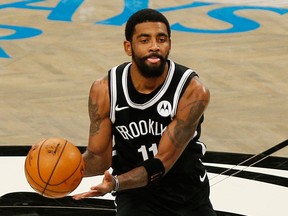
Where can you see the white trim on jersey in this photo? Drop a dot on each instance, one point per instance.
(203, 146)
(113, 96)
(178, 91)
(153, 100)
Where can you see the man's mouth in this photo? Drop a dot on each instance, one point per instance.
(153, 59)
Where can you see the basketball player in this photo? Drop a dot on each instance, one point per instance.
(153, 107)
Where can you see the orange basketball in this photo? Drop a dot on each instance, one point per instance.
(54, 167)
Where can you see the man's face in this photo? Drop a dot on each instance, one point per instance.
(150, 48)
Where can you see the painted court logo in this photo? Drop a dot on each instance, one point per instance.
(164, 108)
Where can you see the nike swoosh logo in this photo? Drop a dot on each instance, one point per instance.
(202, 178)
(117, 108)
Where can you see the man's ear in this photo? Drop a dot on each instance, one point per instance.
(128, 47)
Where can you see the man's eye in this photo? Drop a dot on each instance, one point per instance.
(162, 39)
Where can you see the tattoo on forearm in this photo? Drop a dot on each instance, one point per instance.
(184, 128)
(95, 118)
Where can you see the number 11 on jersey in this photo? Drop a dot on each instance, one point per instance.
(143, 150)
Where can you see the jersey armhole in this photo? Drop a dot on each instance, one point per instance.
(112, 92)
(182, 85)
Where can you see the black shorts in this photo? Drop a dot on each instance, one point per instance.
(144, 202)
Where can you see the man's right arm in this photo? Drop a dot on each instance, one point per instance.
(98, 156)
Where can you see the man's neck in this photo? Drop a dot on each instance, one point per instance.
(146, 85)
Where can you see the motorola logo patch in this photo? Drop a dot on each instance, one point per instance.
(164, 108)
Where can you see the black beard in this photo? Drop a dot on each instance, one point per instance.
(150, 71)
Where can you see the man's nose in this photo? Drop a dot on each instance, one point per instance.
(154, 46)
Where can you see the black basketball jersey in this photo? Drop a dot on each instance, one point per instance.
(139, 120)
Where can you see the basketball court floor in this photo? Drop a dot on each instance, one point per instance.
(52, 50)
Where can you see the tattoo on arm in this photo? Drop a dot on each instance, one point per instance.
(184, 128)
(95, 118)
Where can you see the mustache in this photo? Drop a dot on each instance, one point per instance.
(154, 55)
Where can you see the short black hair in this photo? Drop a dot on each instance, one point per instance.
(144, 15)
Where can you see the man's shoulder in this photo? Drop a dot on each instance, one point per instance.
(120, 66)
(100, 84)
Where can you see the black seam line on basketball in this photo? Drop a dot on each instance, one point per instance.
(72, 189)
(262, 156)
(76, 169)
(38, 157)
(73, 173)
(31, 179)
(54, 167)
(27, 173)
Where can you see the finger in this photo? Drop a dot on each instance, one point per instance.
(85, 195)
(79, 196)
(98, 191)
